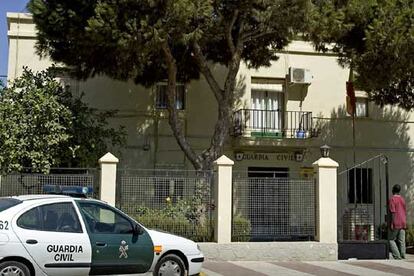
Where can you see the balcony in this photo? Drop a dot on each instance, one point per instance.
(273, 124)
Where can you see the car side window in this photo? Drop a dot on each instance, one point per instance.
(60, 217)
(56, 217)
(30, 220)
(103, 220)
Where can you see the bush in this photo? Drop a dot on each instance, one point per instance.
(177, 224)
(172, 220)
(241, 229)
(409, 235)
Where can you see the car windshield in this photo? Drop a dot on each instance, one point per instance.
(6, 203)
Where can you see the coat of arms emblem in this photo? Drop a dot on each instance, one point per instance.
(123, 248)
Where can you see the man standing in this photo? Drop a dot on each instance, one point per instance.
(398, 223)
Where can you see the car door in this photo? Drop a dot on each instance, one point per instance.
(53, 235)
(116, 248)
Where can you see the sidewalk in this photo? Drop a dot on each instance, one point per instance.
(324, 268)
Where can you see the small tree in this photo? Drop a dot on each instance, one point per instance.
(376, 38)
(42, 125)
(89, 135)
(177, 40)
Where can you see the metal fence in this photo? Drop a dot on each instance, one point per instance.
(26, 183)
(273, 209)
(362, 201)
(176, 201)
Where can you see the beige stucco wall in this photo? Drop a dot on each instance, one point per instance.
(386, 130)
(21, 33)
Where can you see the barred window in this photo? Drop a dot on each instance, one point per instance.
(361, 106)
(360, 185)
(161, 96)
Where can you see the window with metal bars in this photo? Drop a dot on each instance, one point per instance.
(360, 185)
(361, 106)
(161, 96)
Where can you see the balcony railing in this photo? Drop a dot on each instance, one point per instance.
(273, 123)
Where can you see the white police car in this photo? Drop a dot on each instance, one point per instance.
(64, 235)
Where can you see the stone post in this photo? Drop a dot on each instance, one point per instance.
(326, 200)
(108, 164)
(223, 199)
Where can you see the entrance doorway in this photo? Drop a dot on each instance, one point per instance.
(269, 203)
(268, 172)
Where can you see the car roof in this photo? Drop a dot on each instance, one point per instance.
(50, 196)
(36, 197)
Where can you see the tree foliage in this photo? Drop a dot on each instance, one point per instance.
(177, 40)
(377, 38)
(43, 125)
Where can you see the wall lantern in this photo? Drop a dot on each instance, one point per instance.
(325, 151)
(147, 144)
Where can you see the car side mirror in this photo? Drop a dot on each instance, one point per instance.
(138, 230)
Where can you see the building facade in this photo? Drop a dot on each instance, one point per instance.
(284, 113)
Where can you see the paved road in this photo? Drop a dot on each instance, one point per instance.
(343, 268)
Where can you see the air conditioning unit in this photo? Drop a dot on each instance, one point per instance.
(300, 75)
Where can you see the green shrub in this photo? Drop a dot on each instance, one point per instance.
(175, 224)
(409, 235)
(179, 224)
(241, 229)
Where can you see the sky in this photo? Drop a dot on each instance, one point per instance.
(7, 6)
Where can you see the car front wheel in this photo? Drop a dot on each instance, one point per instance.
(170, 265)
(11, 268)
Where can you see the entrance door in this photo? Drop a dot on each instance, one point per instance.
(115, 248)
(53, 236)
(267, 111)
(269, 203)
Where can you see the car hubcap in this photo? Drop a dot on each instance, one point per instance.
(169, 268)
(11, 271)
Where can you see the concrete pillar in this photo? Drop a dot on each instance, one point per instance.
(223, 199)
(326, 200)
(108, 164)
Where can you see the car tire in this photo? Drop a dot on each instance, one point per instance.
(170, 265)
(14, 268)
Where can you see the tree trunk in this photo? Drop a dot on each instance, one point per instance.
(173, 119)
(225, 108)
(225, 103)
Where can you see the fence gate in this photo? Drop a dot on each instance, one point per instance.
(271, 206)
(362, 201)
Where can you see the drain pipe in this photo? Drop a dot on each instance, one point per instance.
(387, 195)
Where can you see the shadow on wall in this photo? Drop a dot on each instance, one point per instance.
(386, 131)
(240, 100)
(151, 140)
